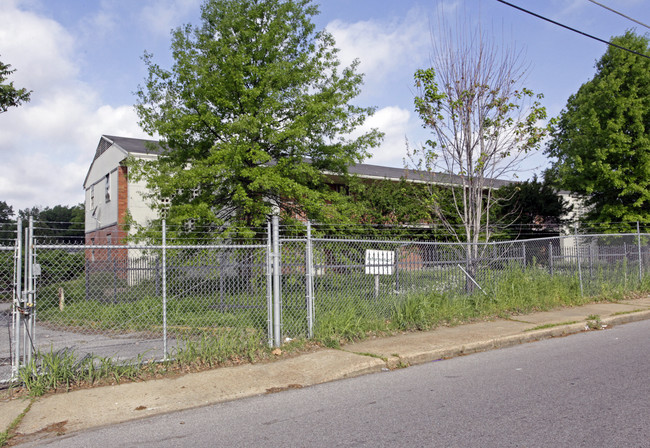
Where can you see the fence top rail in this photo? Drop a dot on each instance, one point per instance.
(411, 242)
(148, 247)
(456, 243)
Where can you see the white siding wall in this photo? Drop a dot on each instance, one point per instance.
(139, 207)
(105, 212)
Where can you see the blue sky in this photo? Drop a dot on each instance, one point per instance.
(82, 60)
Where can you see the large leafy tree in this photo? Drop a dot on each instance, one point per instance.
(253, 113)
(9, 95)
(602, 137)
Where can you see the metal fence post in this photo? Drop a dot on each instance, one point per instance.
(310, 282)
(582, 292)
(591, 263)
(25, 289)
(29, 302)
(18, 294)
(269, 283)
(550, 257)
(277, 338)
(164, 287)
(638, 238)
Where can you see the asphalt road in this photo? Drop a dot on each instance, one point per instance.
(591, 389)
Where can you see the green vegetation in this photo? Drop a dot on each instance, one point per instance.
(62, 369)
(559, 324)
(601, 140)
(257, 99)
(9, 95)
(7, 434)
(594, 322)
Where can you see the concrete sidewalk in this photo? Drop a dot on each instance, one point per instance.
(82, 409)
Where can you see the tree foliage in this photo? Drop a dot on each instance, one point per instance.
(9, 95)
(7, 224)
(483, 124)
(532, 209)
(388, 202)
(61, 223)
(602, 137)
(254, 111)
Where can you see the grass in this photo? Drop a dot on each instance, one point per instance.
(515, 292)
(7, 434)
(545, 326)
(233, 329)
(622, 313)
(62, 370)
(594, 322)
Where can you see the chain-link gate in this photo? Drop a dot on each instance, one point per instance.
(137, 302)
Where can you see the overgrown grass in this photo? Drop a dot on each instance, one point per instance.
(62, 369)
(233, 329)
(56, 370)
(516, 291)
(215, 349)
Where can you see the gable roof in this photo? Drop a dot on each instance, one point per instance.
(364, 170)
(129, 145)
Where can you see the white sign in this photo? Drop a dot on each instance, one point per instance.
(380, 262)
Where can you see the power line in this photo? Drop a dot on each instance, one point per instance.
(619, 13)
(573, 29)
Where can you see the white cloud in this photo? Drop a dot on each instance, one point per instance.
(38, 48)
(396, 123)
(47, 145)
(383, 47)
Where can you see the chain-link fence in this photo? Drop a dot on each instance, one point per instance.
(132, 300)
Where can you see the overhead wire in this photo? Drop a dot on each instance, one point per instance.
(619, 13)
(573, 29)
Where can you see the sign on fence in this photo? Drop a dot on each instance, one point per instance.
(380, 262)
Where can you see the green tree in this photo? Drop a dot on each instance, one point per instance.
(61, 223)
(7, 224)
(602, 138)
(9, 95)
(255, 110)
(531, 209)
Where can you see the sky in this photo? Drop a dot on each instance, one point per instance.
(82, 61)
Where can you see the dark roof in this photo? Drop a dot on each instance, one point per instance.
(130, 145)
(385, 172)
(142, 146)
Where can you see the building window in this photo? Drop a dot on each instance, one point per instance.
(92, 196)
(109, 239)
(108, 187)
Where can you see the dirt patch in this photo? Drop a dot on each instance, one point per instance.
(55, 429)
(273, 390)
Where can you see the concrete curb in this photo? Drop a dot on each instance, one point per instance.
(634, 316)
(395, 362)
